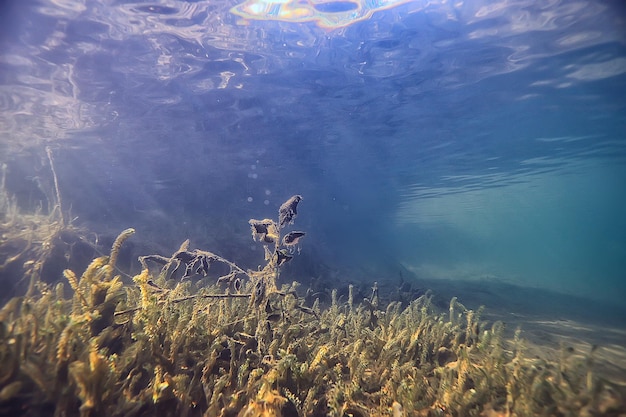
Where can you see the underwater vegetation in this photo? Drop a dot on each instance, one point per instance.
(39, 243)
(183, 340)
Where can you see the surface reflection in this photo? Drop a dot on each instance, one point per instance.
(326, 14)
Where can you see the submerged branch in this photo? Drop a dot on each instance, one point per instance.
(186, 298)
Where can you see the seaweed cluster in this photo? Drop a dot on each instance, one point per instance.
(238, 344)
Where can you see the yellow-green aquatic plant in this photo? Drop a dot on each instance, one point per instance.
(33, 243)
(169, 347)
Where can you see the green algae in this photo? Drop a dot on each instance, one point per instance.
(238, 344)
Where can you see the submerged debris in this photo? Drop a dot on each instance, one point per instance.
(288, 211)
(293, 238)
(282, 257)
(264, 230)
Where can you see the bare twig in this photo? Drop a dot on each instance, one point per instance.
(58, 204)
(187, 298)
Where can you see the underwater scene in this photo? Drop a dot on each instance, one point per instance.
(290, 208)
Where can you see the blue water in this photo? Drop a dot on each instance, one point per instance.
(464, 141)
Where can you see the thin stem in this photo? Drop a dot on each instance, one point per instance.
(56, 185)
(189, 297)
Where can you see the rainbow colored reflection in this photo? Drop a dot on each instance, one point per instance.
(327, 14)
